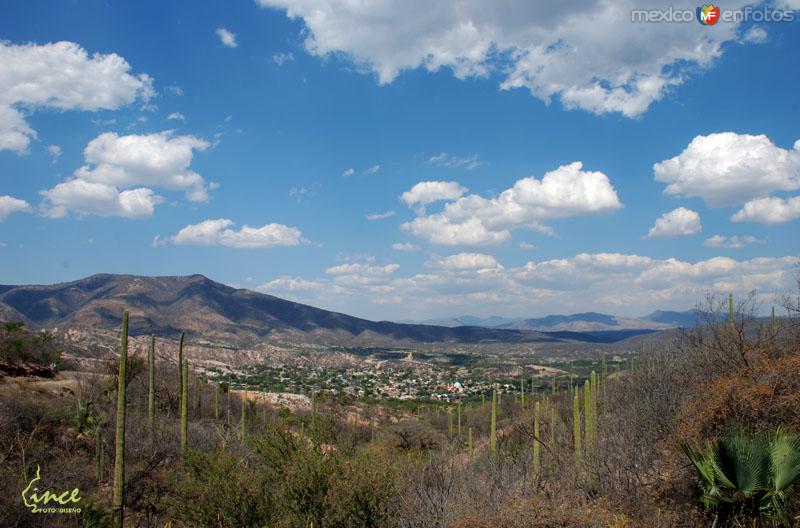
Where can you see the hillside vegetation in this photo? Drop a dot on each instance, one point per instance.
(611, 451)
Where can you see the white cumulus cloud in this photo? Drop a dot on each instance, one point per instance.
(589, 54)
(291, 284)
(405, 246)
(227, 38)
(60, 76)
(55, 152)
(770, 210)
(676, 223)
(218, 232)
(428, 192)
(727, 169)
(467, 261)
(119, 171)
(86, 197)
(587, 281)
(473, 220)
(283, 57)
(9, 204)
(360, 268)
(732, 242)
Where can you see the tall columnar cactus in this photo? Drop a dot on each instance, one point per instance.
(595, 397)
(99, 454)
(553, 389)
(773, 320)
(228, 402)
(603, 375)
(242, 423)
(483, 401)
(450, 423)
(730, 313)
(118, 500)
(469, 444)
(459, 420)
(522, 391)
(184, 407)
(576, 431)
(216, 401)
(588, 417)
(493, 426)
(570, 375)
(151, 389)
(198, 385)
(313, 408)
(180, 370)
(536, 438)
(552, 425)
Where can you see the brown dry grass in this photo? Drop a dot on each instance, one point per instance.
(761, 396)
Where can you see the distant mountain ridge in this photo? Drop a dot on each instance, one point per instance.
(202, 307)
(685, 319)
(585, 322)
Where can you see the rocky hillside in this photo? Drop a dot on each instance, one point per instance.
(202, 307)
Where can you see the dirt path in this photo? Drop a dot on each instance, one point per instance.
(67, 382)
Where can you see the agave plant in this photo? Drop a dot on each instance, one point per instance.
(756, 476)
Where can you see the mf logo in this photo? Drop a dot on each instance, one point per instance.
(708, 14)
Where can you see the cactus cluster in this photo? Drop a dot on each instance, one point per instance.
(585, 404)
(585, 441)
(118, 490)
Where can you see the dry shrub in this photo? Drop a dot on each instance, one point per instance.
(411, 435)
(761, 396)
(547, 513)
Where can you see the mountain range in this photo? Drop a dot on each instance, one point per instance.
(577, 322)
(166, 306)
(194, 304)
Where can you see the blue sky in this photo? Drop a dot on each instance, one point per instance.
(141, 138)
